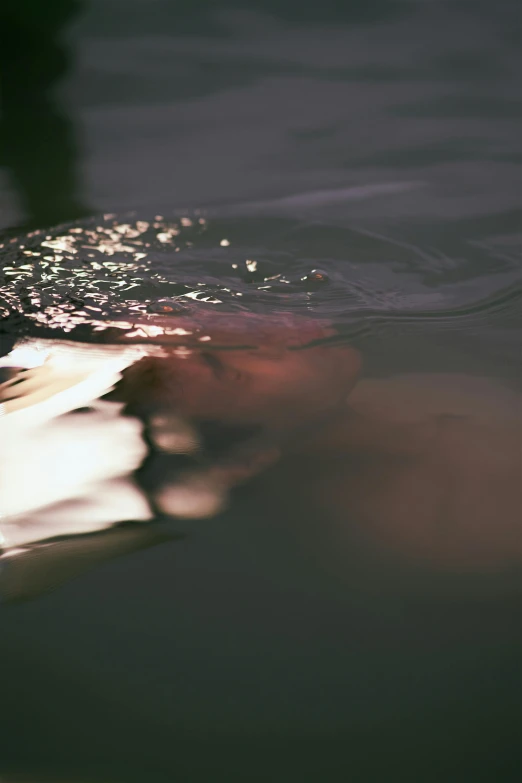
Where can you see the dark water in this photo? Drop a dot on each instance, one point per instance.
(380, 145)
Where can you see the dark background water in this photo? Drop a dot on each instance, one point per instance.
(241, 653)
(174, 104)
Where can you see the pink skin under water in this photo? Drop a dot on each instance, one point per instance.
(245, 368)
(423, 466)
(436, 484)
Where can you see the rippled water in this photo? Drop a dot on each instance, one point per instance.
(213, 227)
(89, 279)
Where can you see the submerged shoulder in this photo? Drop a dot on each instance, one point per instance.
(429, 466)
(410, 397)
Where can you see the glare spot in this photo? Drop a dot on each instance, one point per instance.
(167, 235)
(197, 296)
(178, 331)
(61, 243)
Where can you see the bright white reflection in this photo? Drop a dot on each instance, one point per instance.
(66, 474)
(67, 456)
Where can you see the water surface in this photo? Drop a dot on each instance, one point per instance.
(380, 148)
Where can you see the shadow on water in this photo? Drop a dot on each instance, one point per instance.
(37, 138)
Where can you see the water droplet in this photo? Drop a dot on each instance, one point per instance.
(315, 279)
(318, 275)
(166, 307)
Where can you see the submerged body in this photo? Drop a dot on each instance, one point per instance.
(424, 467)
(184, 401)
(74, 418)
